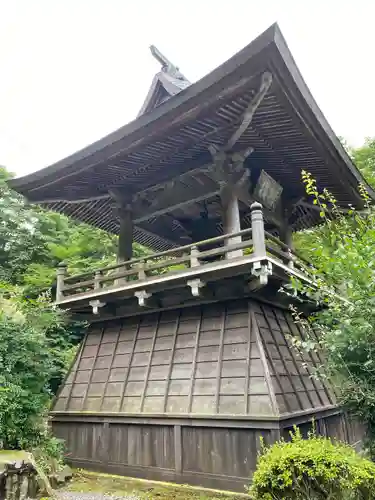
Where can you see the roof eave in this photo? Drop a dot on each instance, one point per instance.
(170, 106)
(177, 106)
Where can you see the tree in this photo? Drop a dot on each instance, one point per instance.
(32, 244)
(364, 158)
(20, 240)
(342, 252)
(27, 364)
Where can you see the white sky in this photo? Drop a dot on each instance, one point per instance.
(72, 71)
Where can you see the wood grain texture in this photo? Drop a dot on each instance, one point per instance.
(227, 358)
(218, 456)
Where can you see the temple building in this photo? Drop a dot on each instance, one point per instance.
(187, 360)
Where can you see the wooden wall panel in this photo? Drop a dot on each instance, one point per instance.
(229, 358)
(142, 445)
(225, 452)
(338, 427)
(218, 454)
(184, 395)
(219, 457)
(84, 440)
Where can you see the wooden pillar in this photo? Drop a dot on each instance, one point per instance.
(286, 235)
(125, 239)
(231, 220)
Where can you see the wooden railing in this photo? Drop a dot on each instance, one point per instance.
(253, 242)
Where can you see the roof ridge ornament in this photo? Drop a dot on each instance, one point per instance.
(166, 65)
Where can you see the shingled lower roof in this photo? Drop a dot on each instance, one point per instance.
(288, 133)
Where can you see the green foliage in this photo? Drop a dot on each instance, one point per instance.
(49, 454)
(313, 468)
(27, 363)
(342, 251)
(364, 158)
(20, 240)
(37, 342)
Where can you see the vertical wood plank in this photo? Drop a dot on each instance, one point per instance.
(294, 327)
(130, 363)
(266, 370)
(171, 361)
(248, 358)
(195, 355)
(121, 323)
(149, 362)
(106, 442)
(220, 357)
(295, 362)
(92, 368)
(178, 448)
(290, 378)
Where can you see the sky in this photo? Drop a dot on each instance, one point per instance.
(72, 71)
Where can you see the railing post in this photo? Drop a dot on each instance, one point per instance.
(290, 259)
(97, 278)
(60, 278)
(141, 270)
(257, 225)
(194, 260)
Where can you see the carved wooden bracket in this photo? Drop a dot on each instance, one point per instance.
(195, 286)
(142, 297)
(262, 271)
(96, 305)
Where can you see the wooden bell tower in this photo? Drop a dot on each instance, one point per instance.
(187, 360)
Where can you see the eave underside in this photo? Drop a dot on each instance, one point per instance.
(282, 147)
(286, 133)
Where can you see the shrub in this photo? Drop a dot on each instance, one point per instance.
(27, 364)
(314, 468)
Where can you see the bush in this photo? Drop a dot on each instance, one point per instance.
(312, 468)
(27, 365)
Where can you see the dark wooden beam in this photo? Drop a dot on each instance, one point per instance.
(171, 201)
(266, 82)
(125, 238)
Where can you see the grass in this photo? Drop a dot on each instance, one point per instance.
(85, 481)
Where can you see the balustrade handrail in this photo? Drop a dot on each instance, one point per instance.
(159, 265)
(194, 256)
(286, 247)
(171, 251)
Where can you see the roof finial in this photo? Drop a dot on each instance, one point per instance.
(166, 64)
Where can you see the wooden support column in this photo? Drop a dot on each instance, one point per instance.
(231, 220)
(125, 240)
(286, 235)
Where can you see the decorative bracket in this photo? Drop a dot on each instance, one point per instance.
(262, 269)
(142, 297)
(247, 117)
(96, 305)
(229, 171)
(195, 286)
